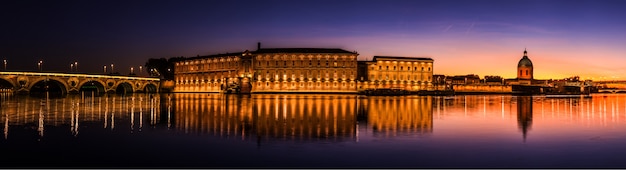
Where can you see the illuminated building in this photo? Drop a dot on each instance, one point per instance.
(406, 73)
(304, 70)
(300, 70)
(269, 70)
(214, 73)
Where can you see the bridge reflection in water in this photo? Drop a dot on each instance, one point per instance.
(39, 113)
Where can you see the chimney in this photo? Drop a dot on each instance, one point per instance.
(258, 45)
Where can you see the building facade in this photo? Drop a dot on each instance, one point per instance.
(300, 70)
(406, 73)
(269, 70)
(305, 70)
(214, 73)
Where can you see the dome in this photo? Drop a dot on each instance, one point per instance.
(525, 62)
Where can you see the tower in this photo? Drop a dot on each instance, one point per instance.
(525, 68)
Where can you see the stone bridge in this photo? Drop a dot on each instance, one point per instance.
(64, 83)
(610, 86)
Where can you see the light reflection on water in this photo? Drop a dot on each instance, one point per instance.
(359, 125)
(72, 110)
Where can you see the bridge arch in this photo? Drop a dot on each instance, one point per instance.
(42, 85)
(150, 88)
(124, 87)
(7, 84)
(92, 85)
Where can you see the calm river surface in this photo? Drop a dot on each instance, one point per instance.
(321, 131)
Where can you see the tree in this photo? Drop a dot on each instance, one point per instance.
(162, 67)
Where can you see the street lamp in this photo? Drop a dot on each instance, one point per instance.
(5, 65)
(131, 70)
(40, 65)
(76, 65)
(105, 69)
(71, 67)
(112, 68)
(140, 69)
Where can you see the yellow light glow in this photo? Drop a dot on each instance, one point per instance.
(78, 75)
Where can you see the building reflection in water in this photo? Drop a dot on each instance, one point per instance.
(301, 117)
(267, 116)
(524, 114)
(388, 116)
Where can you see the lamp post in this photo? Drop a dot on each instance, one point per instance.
(40, 65)
(5, 65)
(71, 67)
(105, 69)
(112, 68)
(140, 69)
(76, 65)
(131, 70)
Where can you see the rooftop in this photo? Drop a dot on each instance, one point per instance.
(214, 55)
(403, 58)
(302, 50)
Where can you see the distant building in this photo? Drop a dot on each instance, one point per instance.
(524, 72)
(439, 79)
(525, 68)
(493, 80)
(464, 79)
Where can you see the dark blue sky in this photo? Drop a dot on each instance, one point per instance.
(454, 33)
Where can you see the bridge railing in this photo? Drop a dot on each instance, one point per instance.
(79, 75)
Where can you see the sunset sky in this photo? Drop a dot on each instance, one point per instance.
(563, 38)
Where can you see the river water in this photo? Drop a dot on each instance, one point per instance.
(313, 131)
